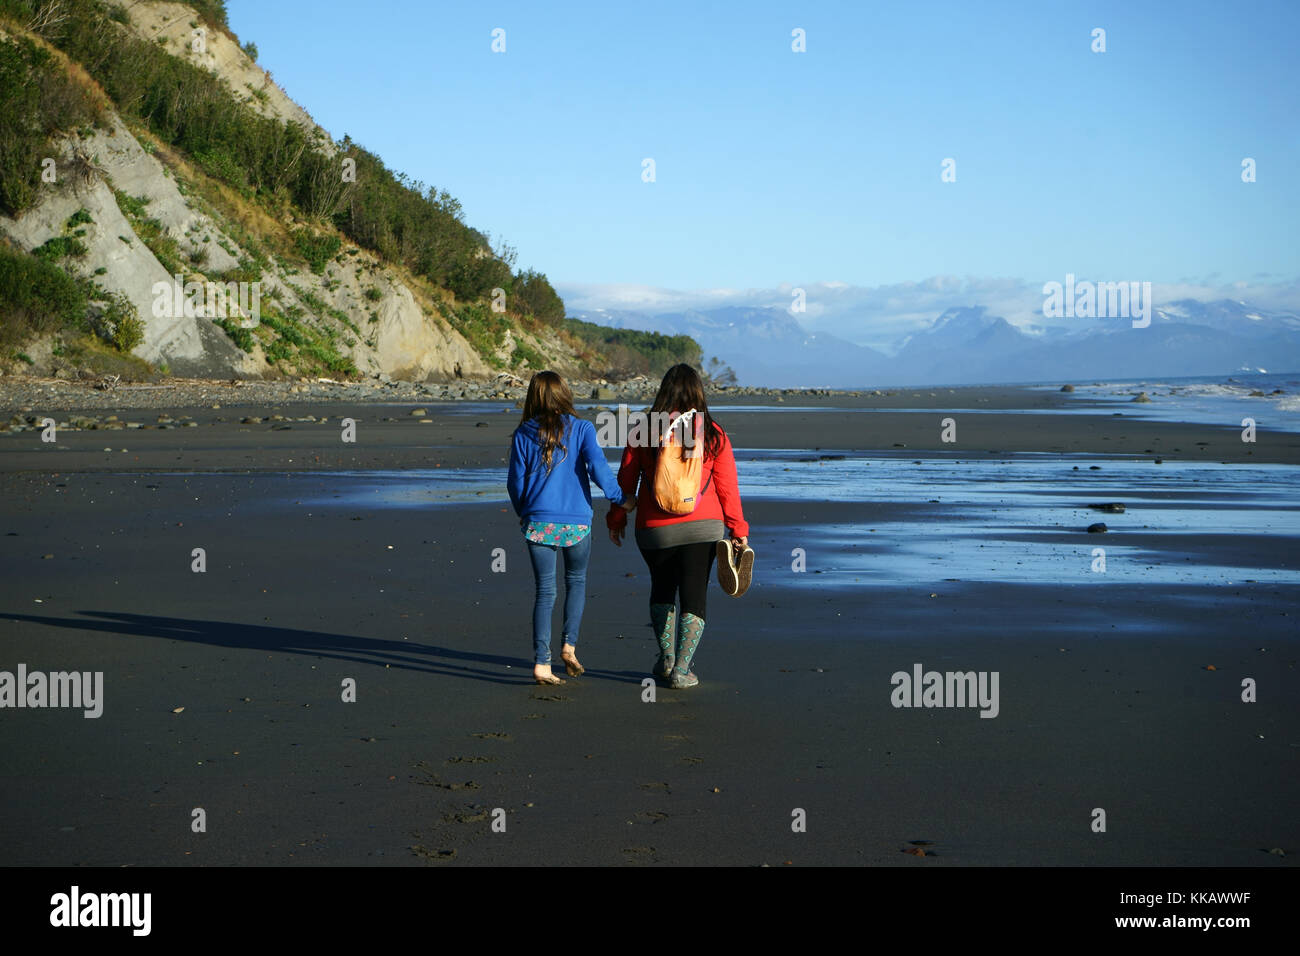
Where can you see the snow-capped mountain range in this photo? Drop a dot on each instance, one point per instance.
(768, 346)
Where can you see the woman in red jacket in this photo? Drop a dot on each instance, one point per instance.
(680, 549)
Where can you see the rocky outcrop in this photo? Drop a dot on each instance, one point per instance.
(410, 345)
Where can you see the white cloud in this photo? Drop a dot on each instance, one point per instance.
(883, 316)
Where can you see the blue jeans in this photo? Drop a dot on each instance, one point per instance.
(575, 592)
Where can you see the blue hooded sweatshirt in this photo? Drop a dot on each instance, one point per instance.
(563, 494)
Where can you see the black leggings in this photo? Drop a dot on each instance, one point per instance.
(685, 569)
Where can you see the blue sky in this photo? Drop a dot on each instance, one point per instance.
(775, 167)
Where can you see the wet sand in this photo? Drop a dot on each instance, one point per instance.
(1105, 699)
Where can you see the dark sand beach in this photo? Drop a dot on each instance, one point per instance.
(325, 563)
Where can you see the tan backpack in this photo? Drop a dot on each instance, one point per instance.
(678, 469)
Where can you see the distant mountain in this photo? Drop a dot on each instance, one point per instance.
(970, 346)
(765, 346)
(961, 343)
(1227, 315)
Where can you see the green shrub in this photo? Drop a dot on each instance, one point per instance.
(212, 12)
(37, 298)
(249, 270)
(278, 351)
(317, 250)
(241, 336)
(151, 232)
(283, 328)
(60, 247)
(221, 163)
(533, 295)
(37, 102)
(119, 323)
(484, 329)
(523, 353)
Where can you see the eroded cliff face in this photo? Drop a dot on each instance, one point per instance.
(373, 314)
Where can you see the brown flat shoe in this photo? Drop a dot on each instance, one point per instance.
(735, 570)
(744, 570)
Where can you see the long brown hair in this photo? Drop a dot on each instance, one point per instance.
(549, 400)
(680, 391)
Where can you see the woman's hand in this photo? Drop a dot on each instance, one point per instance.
(629, 504)
(616, 522)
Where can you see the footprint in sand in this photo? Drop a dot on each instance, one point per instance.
(651, 816)
(656, 786)
(443, 785)
(477, 758)
(554, 697)
(433, 780)
(437, 856)
(491, 736)
(468, 815)
(692, 760)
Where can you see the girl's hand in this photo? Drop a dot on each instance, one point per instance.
(629, 504)
(740, 544)
(616, 522)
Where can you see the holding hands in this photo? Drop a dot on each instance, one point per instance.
(616, 519)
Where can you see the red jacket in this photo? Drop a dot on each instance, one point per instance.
(720, 498)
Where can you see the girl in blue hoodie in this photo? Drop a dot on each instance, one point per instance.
(552, 456)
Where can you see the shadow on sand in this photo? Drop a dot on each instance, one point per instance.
(406, 655)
